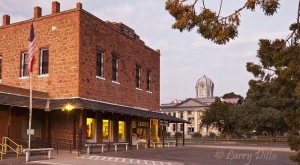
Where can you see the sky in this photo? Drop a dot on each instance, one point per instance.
(185, 56)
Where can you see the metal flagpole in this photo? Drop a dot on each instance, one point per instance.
(30, 109)
(29, 61)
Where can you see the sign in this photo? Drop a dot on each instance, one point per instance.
(30, 131)
(133, 124)
(164, 123)
(143, 124)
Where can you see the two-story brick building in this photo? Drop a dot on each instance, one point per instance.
(101, 70)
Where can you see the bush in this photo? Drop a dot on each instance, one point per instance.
(197, 135)
(167, 134)
(178, 134)
(212, 134)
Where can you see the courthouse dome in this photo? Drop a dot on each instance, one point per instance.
(204, 87)
(204, 81)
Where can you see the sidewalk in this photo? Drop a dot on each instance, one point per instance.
(189, 155)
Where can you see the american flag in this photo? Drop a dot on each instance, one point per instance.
(31, 49)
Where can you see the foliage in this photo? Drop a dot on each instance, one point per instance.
(233, 95)
(275, 92)
(210, 24)
(167, 134)
(212, 134)
(197, 135)
(220, 115)
(178, 134)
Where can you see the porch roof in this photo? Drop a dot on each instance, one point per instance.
(112, 108)
(19, 100)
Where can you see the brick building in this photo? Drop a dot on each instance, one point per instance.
(102, 69)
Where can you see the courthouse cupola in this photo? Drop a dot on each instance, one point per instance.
(204, 87)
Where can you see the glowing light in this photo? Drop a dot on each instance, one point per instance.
(68, 107)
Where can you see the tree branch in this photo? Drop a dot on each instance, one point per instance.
(235, 12)
(220, 8)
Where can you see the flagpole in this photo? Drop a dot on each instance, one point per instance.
(30, 109)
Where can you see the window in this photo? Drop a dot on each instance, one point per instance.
(99, 64)
(105, 129)
(191, 120)
(0, 67)
(44, 61)
(91, 129)
(181, 127)
(191, 129)
(138, 77)
(122, 131)
(174, 114)
(189, 112)
(174, 127)
(148, 81)
(181, 114)
(115, 69)
(24, 68)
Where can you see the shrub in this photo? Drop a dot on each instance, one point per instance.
(197, 135)
(167, 134)
(178, 134)
(212, 134)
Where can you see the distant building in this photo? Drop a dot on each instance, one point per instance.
(191, 109)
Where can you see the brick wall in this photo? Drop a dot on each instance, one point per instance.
(97, 35)
(66, 34)
(62, 125)
(57, 32)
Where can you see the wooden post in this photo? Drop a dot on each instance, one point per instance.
(8, 121)
(80, 130)
(46, 125)
(176, 135)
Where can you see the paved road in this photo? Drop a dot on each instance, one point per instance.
(201, 154)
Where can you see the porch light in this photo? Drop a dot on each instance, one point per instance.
(68, 107)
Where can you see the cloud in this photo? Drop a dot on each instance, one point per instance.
(122, 13)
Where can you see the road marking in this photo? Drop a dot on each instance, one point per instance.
(42, 162)
(128, 160)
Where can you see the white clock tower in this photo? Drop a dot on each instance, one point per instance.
(204, 88)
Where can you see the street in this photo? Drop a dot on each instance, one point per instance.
(196, 154)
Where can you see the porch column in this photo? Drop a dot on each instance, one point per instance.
(196, 121)
(46, 125)
(8, 121)
(99, 122)
(80, 130)
(176, 135)
(128, 127)
(163, 133)
(148, 132)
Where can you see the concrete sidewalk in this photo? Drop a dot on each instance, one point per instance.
(208, 154)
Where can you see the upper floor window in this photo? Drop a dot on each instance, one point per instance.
(138, 76)
(115, 69)
(44, 61)
(148, 81)
(99, 64)
(181, 114)
(0, 67)
(23, 67)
